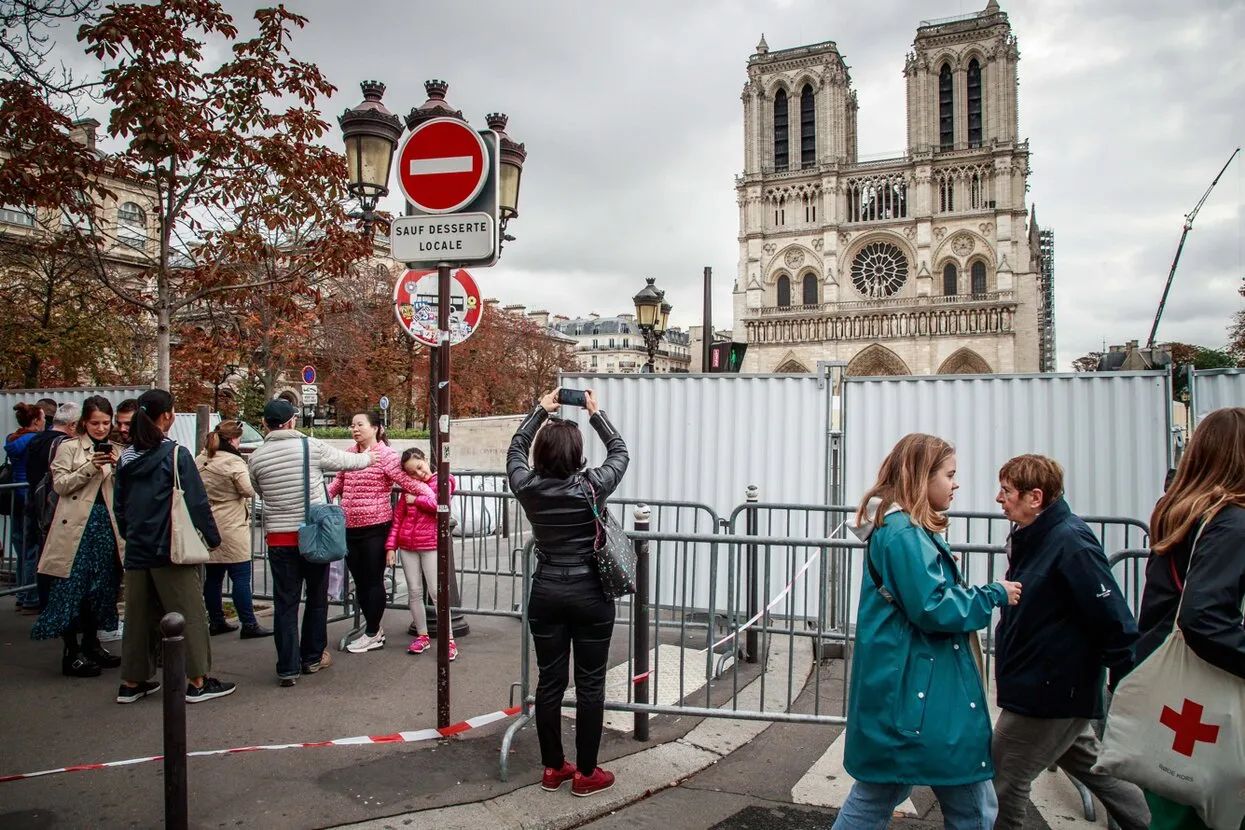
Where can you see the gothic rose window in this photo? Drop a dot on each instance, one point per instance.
(879, 270)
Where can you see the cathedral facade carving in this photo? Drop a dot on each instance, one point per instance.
(920, 264)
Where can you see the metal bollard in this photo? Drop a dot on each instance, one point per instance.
(751, 641)
(176, 811)
(640, 606)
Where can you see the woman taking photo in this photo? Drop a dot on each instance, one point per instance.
(154, 586)
(367, 498)
(1206, 497)
(229, 492)
(566, 605)
(81, 553)
(917, 709)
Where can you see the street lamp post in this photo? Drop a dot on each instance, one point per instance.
(371, 134)
(652, 313)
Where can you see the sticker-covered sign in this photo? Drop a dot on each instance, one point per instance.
(415, 304)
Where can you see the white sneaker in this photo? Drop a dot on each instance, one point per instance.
(366, 643)
(110, 636)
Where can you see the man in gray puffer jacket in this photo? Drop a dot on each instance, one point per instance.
(277, 475)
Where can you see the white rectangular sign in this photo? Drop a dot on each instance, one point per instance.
(460, 238)
(311, 394)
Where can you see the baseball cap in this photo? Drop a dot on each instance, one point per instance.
(278, 411)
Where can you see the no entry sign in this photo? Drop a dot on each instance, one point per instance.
(415, 304)
(443, 165)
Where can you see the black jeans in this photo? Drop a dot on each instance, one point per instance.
(563, 612)
(289, 571)
(366, 561)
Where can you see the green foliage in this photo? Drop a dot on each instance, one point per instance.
(1199, 357)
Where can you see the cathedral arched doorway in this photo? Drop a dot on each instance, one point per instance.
(964, 362)
(875, 361)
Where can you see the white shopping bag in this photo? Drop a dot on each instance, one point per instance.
(337, 579)
(1176, 727)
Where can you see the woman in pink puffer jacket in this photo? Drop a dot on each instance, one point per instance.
(413, 537)
(366, 496)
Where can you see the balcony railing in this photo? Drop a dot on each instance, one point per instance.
(852, 306)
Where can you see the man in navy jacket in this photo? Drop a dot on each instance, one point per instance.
(1053, 648)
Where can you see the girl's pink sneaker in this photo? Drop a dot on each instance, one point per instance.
(453, 649)
(419, 645)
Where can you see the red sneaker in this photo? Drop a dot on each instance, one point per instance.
(599, 781)
(555, 778)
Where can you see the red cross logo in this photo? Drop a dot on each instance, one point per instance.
(1188, 726)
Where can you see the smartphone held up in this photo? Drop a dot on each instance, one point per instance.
(572, 397)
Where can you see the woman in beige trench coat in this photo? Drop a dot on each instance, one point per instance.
(83, 548)
(228, 485)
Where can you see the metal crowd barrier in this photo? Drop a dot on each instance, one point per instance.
(11, 533)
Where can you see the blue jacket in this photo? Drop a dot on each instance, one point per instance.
(1072, 622)
(15, 449)
(917, 711)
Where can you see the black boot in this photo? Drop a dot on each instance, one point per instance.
(77, 664)
(101, 656)
(221, 627)
(254, 632)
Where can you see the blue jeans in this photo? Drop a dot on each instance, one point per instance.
(964, 807)
(27, 543)
(289, 572)
(240, 577)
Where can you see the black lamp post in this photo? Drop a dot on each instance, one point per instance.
(652, 313)
(371, 134)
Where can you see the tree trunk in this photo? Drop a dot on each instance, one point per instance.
(162, 346)
(32, 372)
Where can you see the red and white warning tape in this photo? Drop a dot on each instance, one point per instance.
(777, 599)
(397, 737)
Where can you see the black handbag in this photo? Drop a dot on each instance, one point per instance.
(613, 552)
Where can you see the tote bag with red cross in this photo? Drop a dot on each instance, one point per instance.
(1175, 729)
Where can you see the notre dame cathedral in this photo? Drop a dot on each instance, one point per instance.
(927, 263)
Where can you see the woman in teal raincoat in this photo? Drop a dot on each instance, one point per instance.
(917, 713)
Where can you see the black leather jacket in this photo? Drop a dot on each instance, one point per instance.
(558, 508)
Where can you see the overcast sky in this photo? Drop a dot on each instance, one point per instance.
(634, 129)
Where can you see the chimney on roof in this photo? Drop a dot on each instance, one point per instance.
(491, 302)
(515, 308)
(592, 315)
(540, 318)
(83, 132)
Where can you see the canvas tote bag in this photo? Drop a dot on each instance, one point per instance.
(186, 546)
(1175, 729)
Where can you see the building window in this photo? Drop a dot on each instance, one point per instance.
(877, 199)
(810, 289)
(946, 109)
(974, 192)
(131, 225)
(979, 278)
(946, 194)
(780, 130)
(808, 127)
(14, 215)
(949, 280)
(626, 342)
(784, 291)
(974, 103)
(879, 270)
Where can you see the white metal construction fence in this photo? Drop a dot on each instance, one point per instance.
(1213, 389)
(75, 394)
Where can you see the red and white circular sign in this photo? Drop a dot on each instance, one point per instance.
(442, 165)
(415, 304)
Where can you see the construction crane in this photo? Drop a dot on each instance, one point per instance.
(1188, 224)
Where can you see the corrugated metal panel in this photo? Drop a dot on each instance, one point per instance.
(705, 438)
(1110, 431)
(1217, 388)
(76, 394)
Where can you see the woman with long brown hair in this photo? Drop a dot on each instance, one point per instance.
(1205, 503)
(917, 710)
(229, 492)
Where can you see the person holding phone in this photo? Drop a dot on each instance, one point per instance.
(83, 547)
(567, 606)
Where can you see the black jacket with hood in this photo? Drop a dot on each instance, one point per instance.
(143, 499)
(1214, 588)
(562, 520)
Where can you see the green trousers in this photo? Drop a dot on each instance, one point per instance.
(149, 595)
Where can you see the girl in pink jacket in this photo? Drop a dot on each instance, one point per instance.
(366, 496)
(414, 537)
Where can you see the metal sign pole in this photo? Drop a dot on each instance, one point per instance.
(442, 446)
